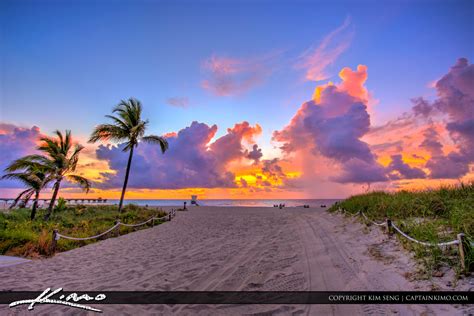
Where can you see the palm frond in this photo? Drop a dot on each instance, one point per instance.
(27, 162)
(61, 139)
(18, 198)
(49, 146)
(27, 197)
(22, 177)
(108, 132)
(67, 142)
(83, 182)
(119, 122)
(136, 107)
(73, 160)
(138, 130)
(153, 139)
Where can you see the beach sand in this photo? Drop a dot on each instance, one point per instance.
(234, 248)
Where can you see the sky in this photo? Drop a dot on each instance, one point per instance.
(258, 99)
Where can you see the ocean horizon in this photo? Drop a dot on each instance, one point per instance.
(201, 202)
(229, 202)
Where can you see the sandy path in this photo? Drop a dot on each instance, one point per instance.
(211, 248)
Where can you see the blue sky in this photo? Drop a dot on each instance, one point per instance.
(78, 58)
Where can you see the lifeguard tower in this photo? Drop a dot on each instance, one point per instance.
(194, 200)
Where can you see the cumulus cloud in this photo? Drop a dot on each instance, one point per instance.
(15, 142)
(401, 170)
(421, 107)
(443, 128)
(359, 171)
(179, 102)
(316, 60)
(191, 161)
(455, 100)
(272, 169)
(332, 125)
(229, 147)
(431, 142)
(450, 166)
(456, 91)
(227, 76)
(255, 154)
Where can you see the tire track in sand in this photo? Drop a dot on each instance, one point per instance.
(348, 269)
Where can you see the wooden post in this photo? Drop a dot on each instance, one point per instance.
(54, 242)
(389, 227)
(184, 206)
(117, 230)
(153, 222)
(169, 215)
(461, 252)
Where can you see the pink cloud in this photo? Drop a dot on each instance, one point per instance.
(15, 142)
(455, 100)
(179, 102)
(191, 161)
(232, 76)
(255, 154)
(442, 129)
(400, 170)
(316, 60)
(332, 125)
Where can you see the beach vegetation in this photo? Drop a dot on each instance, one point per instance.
(32, 239)
(434, 216)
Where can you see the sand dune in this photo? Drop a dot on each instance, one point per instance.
(210, 248)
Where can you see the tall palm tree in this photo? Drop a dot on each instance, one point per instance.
(34, 176)
(127, 126)
(61, 158)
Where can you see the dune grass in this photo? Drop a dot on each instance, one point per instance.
(434, 216)
(19, 236)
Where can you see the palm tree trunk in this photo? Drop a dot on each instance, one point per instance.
(126, 179)
(53, 199)
(35, 205)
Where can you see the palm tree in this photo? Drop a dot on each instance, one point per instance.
(61, 158)
(127, 126)
(34, 176)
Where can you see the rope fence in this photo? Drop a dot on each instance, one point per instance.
(375, 223)
(57, 236)
(460, 241)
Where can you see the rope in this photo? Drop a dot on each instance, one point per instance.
(135, 225)
(443, 244)
(172, 213)
(58, 235)
(160, 218)
(346, 212)
(375, 223)
(454, 242)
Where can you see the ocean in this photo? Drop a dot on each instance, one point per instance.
(232, 202)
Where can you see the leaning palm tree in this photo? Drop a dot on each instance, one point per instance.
(34, 176)
(127, 126)
(61, 158)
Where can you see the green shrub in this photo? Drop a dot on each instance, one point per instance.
(22, 237)
(61, 205)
